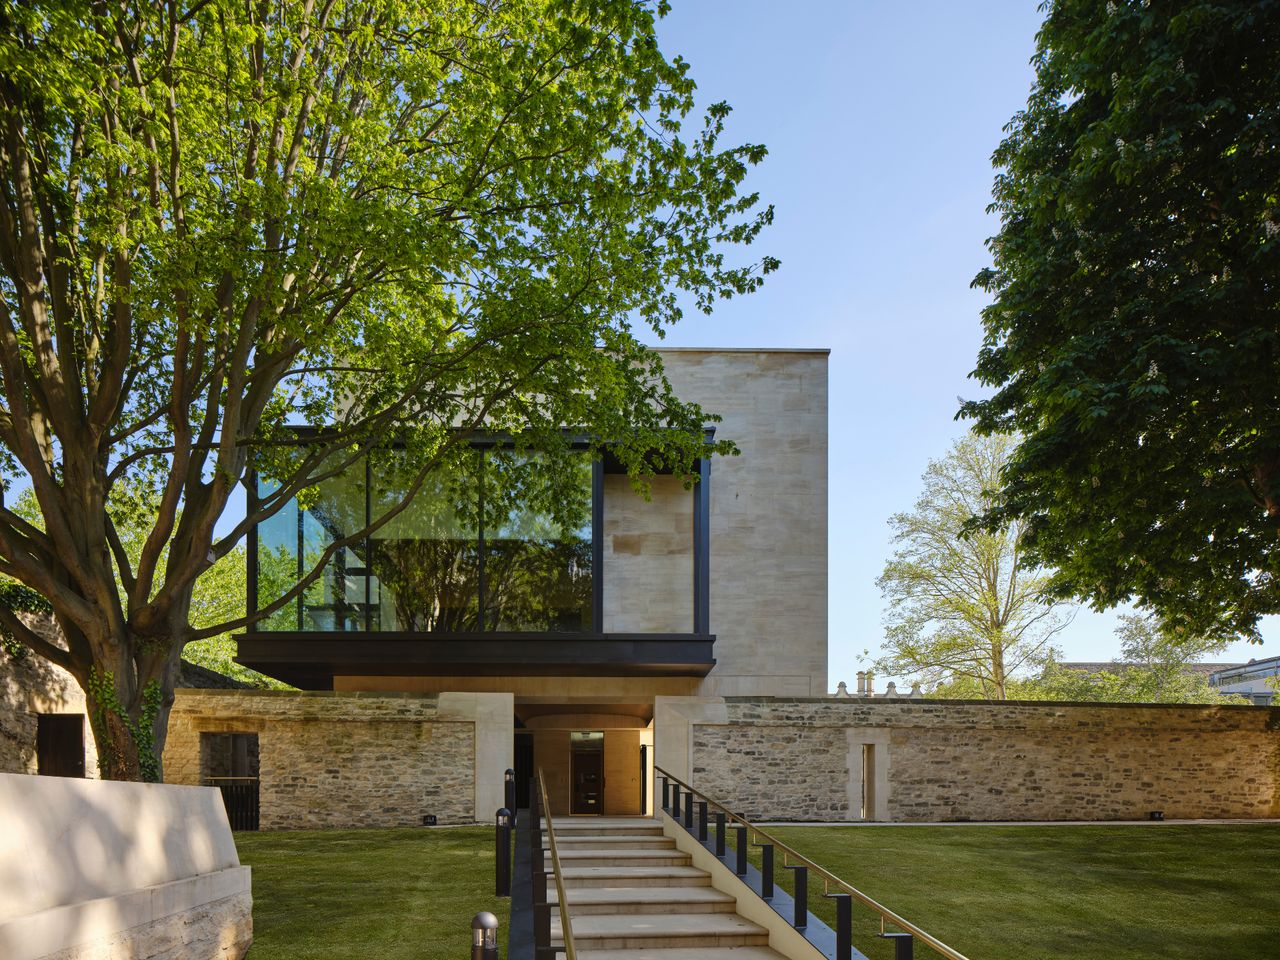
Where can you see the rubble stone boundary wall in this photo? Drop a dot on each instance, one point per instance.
(349, 760)
(920, 760)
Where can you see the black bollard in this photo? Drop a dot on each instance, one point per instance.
(484, 937)
(509, 792)
(802, 896)
(502, 853)
(844, 925)
(904, 945)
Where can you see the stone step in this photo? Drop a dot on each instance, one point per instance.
(631, 931)
(594, 857)
(576, 878)
(612, 840)
(634, 828)
(612, 900)
(681, 953)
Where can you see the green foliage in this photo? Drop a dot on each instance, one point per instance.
(18, 598)
(1154, 667)
(960, 607)
(392, 221)
(1134, 335)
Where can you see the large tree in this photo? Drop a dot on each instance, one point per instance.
(961, 607)
(387, 219)
(1133, 339)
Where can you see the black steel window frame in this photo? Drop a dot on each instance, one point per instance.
(601, 466)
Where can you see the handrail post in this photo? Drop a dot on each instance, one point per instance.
(904, 942)
(844, 925)
(702, 821)
(666, 793)
(802, 896)
(766, 871)
(904, 947)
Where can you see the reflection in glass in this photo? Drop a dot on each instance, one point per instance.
(426, 559)
(537, 564)
(498, 541)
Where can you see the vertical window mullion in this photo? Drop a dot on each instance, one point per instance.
(481, 599)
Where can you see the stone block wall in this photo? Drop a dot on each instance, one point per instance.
(331, 760)
(30, 686)
(955, 760)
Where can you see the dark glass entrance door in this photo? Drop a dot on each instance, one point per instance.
(586, 771)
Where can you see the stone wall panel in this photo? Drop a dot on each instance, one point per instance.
(336, 760)
(951, 760)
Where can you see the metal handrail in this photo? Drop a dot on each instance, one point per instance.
(829, 879)
(566, 927)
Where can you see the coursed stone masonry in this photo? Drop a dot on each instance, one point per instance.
(949, 760)
(331, 760)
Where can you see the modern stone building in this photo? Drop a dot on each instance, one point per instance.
(478, 632)
(719, 588)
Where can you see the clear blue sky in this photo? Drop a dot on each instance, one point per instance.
(880, 119)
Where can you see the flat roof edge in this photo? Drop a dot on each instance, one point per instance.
(824, 351)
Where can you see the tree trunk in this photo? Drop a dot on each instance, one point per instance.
(129, 710)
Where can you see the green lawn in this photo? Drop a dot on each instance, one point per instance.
(370, 894)
(1026, 893)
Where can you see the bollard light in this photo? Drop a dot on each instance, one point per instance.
(509, 789)
(484, 936)
(502, 853)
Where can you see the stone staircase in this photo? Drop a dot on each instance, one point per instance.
(634, 896)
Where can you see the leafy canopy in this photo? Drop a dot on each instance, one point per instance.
(1134, 334)
(392, 221)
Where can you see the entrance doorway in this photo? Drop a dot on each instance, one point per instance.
(586, 772)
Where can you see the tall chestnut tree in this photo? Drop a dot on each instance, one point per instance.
(1133, 339)
(382, 218)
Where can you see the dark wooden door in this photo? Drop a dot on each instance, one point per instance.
(587, 770)
(60, 744)
(523, 767)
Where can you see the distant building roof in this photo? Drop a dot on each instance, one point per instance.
(1269, 666)
(1117, 666)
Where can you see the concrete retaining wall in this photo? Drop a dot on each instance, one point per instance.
(839, 760)
(95, 869)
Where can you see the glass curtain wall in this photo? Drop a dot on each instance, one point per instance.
(499, 543)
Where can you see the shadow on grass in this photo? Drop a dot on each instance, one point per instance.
(333, 895)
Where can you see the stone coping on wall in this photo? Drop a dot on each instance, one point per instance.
(906, 712)
(295, 694)
(854, 700)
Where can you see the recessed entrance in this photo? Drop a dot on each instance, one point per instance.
(586, 766)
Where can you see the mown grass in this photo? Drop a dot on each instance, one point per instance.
(1173, 892)
(373, 894)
